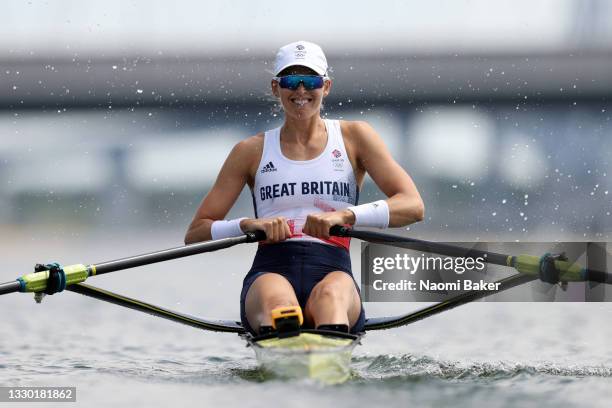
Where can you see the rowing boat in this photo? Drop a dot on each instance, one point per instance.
(289, 350)
(319, 355)
(296, 353)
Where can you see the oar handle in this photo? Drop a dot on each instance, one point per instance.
(255, 236)
(339, 231)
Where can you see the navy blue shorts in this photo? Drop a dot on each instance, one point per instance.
(303, 264)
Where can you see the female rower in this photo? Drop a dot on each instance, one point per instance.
(305, 177)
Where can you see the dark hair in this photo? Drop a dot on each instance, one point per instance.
(287, 71)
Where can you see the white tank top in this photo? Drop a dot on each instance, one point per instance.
(295, 188)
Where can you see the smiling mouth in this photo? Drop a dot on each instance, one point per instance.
(301, 101)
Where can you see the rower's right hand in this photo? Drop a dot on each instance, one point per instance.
(276, 228)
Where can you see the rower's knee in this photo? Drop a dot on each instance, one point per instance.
(275, 302)
(331, 292)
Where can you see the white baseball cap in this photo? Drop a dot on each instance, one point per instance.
(302, 53)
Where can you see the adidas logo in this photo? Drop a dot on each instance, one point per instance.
(268, 168)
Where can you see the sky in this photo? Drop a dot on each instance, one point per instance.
(64, 27)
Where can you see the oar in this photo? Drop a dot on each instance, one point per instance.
(529, 265)
(69, 275)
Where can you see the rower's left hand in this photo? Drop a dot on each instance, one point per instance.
(318, 225)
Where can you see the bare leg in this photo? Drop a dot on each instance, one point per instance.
(334, 300)
(268, 292)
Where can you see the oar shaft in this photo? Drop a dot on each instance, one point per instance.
(425, 246)
(597, 276)
(9, 287)
(172, 253)
(526, 264)
(38, 281)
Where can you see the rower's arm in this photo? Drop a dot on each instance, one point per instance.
(405, 203)
(231, 180)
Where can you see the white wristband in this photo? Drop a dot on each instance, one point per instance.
(226, 229)
(375, 214)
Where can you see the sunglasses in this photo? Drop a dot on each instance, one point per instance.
(293, 82)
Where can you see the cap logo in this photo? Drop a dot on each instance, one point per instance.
(299, 47)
